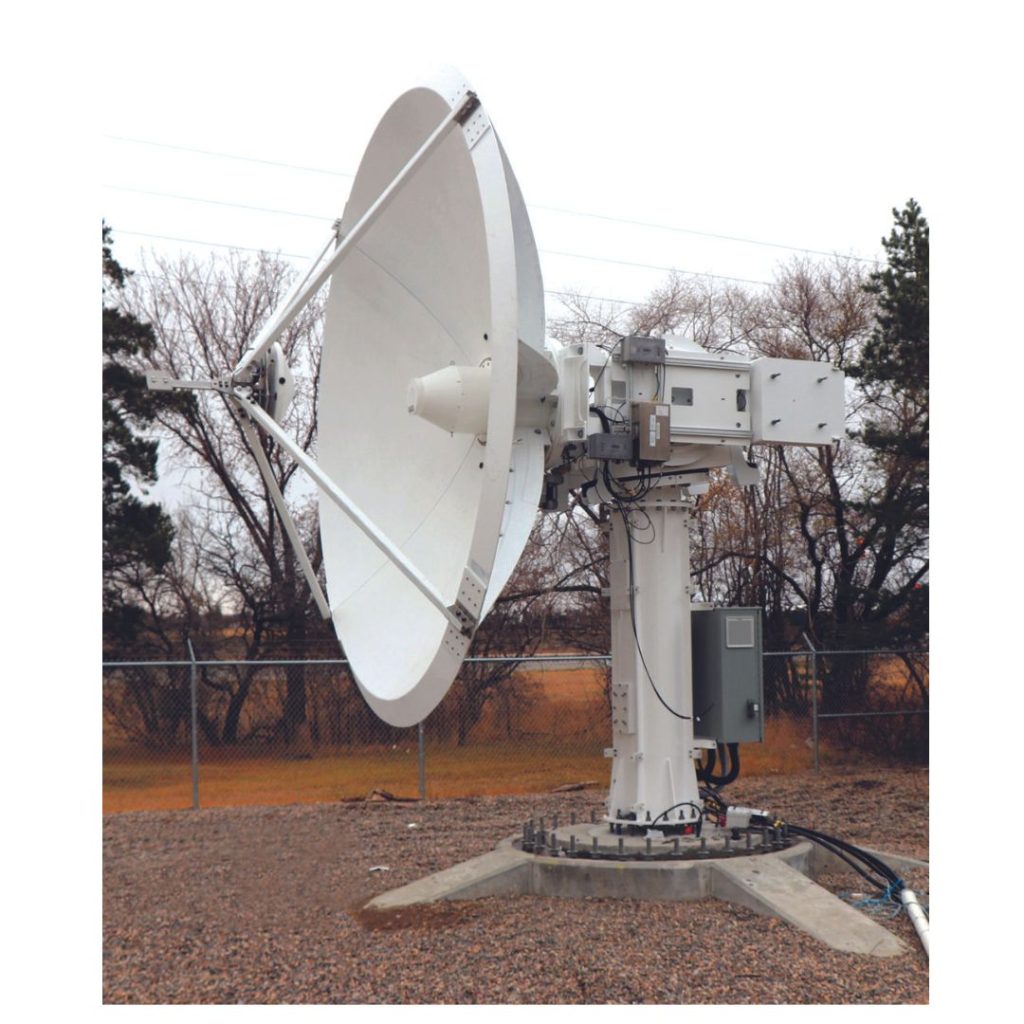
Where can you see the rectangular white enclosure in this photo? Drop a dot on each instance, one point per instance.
(796, 401)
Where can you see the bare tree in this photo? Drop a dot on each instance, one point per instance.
(204, 316)
(807, 544)
(859, 566)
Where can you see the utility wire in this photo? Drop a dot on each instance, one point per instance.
(297, 256)
(229, 156)
(328, 220)
(219, 202)
(649, 266)
(599, 298)
(212, 245)
(535, 206)
(694, 231)
(292, 255)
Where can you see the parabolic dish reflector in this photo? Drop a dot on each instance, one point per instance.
(446, 276)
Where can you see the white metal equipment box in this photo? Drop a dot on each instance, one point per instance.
(796, 401)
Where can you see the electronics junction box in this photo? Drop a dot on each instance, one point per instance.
(652, 430)
(639, 348)
(728, 684)
(616, 447)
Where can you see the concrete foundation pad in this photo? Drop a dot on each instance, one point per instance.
(770, 886)
(503, 872)
(631, 880)
(775, 884)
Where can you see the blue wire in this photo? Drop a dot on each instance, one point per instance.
(876, 904)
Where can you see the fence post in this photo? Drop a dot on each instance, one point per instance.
(194, 701)
(422, 762)
(814, 698)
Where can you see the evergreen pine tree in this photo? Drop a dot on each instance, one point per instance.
(893, 373)
(896, 354)
(136, 534)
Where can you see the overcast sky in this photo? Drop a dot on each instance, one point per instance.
(736, 121)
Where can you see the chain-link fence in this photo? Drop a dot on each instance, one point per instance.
(844, 705)
(191, 733)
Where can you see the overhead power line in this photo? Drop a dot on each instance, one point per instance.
(598, 298)
(219, 202)
(549, 252)
(533, 206)
(694, 231)
(650, 266)
(297, 256)
(328, 220)
(212, 245)
(229, 156)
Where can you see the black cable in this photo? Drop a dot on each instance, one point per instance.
(868, 858)
(632, 616)
(648, 475)
(710, 793)
(599, 412)
(706, 772)
(863, 854)
(620, 498)
(849, 853)
(732, 752)
(839, 852)
(707, 766)
(638, 510)
(714, 806)
(611, 352)
(617, 495)
(873, 870)
(669, 810)
(616, 410)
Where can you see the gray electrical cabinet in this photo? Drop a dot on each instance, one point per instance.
(728, 685)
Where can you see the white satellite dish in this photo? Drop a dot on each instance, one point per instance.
(432, 387)
(443, 414)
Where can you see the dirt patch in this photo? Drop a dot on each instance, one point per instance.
(429, 916)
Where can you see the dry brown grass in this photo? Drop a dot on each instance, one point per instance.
(552, 734)
(136, 780)
(151, 780)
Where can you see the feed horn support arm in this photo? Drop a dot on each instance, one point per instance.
(460, 618)
(320, 270)
(253, 440)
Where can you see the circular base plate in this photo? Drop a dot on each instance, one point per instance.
(596, 841)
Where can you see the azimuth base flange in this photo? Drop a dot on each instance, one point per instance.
(596, 841)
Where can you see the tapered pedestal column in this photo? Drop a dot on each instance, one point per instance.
(654, 780)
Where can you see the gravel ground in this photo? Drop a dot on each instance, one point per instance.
(262, 905)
